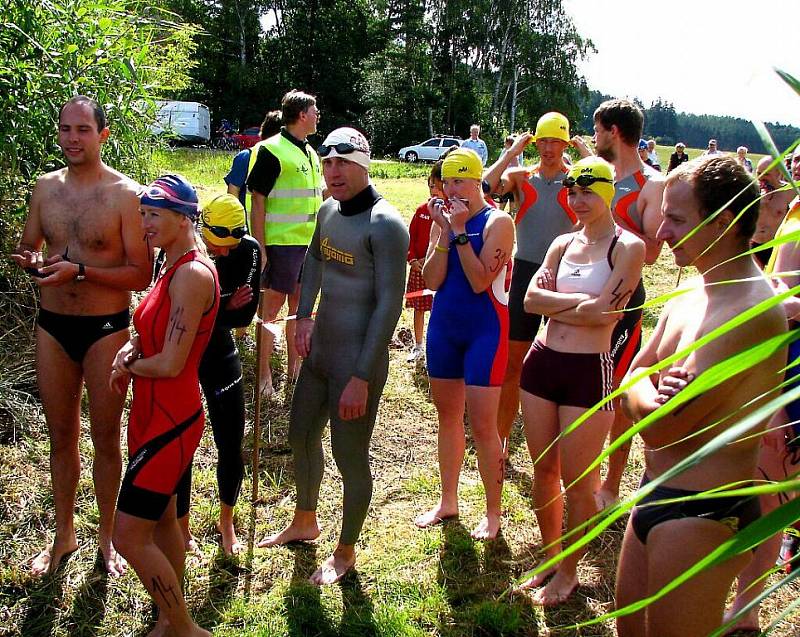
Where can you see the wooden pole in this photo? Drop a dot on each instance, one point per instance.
(257, 408)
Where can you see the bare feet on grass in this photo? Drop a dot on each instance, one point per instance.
(335, 567)
(746, 623)
(487, 528)
(303, 528)
(48, 561)
(536, 581)
(605, 498)
(230, 542)
(115, 564)
(437, 515)
(191, 546)
(556, 592)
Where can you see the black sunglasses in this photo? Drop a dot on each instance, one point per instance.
(584, 181)
(223, 233)
(343, 148)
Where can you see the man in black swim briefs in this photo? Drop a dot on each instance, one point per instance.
(86, 217)
(664, 540)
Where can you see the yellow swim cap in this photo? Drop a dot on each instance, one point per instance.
(593, 168)
(223, 221)
(553, 125)
(462, 163)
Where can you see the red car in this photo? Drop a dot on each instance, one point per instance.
(249, 137)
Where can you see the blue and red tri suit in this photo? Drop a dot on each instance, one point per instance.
(468, 332)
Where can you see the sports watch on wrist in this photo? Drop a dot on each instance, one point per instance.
(461, 239)
(81, 276)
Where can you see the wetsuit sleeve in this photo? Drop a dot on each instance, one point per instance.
(311, 280)
(265, 172)
(249, 269)
(389, 244)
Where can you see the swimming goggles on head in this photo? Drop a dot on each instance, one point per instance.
(584, 181)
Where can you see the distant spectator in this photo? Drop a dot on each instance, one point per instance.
(237, 175)
(476, 143)
(678, 157)
(644, 155)
(653, 155)
(741, 158)
(712, 150)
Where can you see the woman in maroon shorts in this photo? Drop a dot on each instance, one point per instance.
(173, 324)
(587, 277)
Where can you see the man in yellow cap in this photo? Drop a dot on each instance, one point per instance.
(543, 214)
(237, 257)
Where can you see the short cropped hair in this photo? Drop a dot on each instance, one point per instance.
(271, 124)
(625, 115)
(99, 113)
(722, 183)
(294, 103)
(742, 149)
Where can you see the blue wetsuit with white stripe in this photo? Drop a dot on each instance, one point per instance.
(468, 332)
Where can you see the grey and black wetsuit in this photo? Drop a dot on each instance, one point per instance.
(357, 263)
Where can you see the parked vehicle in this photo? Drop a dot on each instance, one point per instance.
(429, 150)
(248, 138)
(188, 122)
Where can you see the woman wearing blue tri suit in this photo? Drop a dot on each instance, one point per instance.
(585, 281)
(467, 337)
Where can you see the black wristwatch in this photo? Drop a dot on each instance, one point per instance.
(81, 276)
(461, 239)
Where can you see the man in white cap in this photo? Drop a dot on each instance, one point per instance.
(356, 263)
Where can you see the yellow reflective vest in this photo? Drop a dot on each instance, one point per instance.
(292, 204)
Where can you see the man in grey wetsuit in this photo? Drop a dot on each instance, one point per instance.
(357, 261)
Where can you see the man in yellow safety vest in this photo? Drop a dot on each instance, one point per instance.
(285, 183)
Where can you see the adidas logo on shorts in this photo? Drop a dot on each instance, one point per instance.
(107, 326)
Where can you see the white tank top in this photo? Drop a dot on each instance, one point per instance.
(586, 278)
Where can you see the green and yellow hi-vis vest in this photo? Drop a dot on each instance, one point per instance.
(292, 204)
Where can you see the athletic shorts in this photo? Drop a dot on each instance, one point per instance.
(626, 338)
(566, 378)
(734, 512)
(158, 468)
(478, 355)
(283, 269)
(523, 326)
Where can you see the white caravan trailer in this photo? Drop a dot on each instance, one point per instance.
(188, 121)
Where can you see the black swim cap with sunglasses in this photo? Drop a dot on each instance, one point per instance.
(584, 181)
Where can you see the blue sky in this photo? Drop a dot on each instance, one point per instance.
(705, 56)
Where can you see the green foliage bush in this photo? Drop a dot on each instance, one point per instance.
(124, 54)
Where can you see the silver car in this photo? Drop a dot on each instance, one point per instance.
(429, 150)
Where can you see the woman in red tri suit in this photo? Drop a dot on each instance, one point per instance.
(173, 324)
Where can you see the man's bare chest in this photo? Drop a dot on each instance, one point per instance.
(86, 221)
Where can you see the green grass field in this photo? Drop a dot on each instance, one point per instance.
(409, 582)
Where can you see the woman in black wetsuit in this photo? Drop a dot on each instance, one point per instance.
(238, 260)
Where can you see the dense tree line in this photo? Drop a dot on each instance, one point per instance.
(666, 126)
(402, 69)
